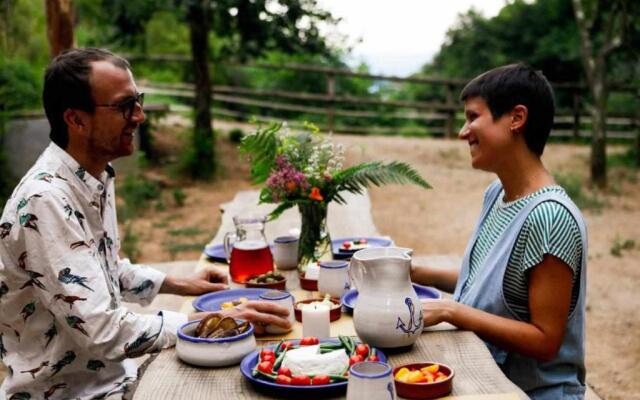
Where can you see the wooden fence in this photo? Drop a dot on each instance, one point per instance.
(438, 118)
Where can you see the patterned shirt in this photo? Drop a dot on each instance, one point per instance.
(548, 229)
(64, 332)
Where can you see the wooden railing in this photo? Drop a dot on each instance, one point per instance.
(442, 117)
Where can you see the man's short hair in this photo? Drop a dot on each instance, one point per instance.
(505, 87)
(66, 85)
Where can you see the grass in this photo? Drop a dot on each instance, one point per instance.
(620, 245)
(190, 231)
(573, 185)
(174, 248)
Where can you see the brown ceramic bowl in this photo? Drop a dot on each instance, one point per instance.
(280, 285)
(334, 312)
(308, 284)
(424, 390)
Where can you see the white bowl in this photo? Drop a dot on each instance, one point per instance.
(213, 352)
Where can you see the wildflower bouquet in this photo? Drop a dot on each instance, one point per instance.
(306, 169)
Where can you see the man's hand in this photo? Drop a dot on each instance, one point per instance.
(259, 313)
(206, 280)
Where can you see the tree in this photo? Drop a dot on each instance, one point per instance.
(203, 164)
(246, 29)
(59, 25)
(602, 27)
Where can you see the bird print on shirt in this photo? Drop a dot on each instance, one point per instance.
(76, 322)
(68, 358)
(65, 276)
(50, 333)
(29, 221)
(95, 365)
(5, 229)
(43, 176)
(34, 371)
(53, 389)
(68, 299)
(4, 289)
(33, 280)
(28, 310)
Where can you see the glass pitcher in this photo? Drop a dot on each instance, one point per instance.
(247, 250)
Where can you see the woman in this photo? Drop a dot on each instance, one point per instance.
(521, 287)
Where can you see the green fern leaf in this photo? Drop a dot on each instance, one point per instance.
(262, 148)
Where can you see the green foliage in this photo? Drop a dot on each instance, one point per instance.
(130, 243)
(191, 231)
(20, 85)
(178, 197)
(573, 185)
(619, 245)
(262, 147)
(236, 135)
(137, 192)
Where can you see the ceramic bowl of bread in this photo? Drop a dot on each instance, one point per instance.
(215, 341)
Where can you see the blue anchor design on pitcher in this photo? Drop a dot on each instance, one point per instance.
(414, 324)
(390, 390)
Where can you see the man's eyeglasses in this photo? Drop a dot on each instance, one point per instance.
(126, 106)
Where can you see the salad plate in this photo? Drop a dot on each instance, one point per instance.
(424, 292)
(340, 253)
(272, 388)
(213, 301)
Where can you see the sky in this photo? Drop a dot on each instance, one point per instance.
(399, 36)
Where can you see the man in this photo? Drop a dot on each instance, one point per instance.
(64, 332)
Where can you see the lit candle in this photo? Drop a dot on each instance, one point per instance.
(315, 321)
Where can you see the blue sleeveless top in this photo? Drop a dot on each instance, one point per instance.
(564, 376)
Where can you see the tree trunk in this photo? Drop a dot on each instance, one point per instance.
(59, 25)
(599, 128)
(203, 164)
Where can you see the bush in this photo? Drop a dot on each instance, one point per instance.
(20, 85)
(236, 135)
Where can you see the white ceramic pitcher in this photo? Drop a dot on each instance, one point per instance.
(388, 312)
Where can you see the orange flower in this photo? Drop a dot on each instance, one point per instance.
(291, 186)
(315, 194)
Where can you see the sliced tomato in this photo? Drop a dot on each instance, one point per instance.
(268, 357)
(300, 380)
(355, 359)
(284, 371)
(283, 380)
(309, 341)
(286, 345)
(362, 350)
(265, 352)
(266, 367)
(320, 380)
(373, 357)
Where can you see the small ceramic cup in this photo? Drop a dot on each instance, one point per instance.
(334, 278)
(286, 300)
(370, 381)
(285, 252)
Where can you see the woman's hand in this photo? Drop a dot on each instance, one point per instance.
(208, 279)
(259, 313)
(436, 311)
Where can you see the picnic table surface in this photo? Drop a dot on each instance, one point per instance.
(477, 376)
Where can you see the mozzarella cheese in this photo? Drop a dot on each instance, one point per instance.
(307, 360)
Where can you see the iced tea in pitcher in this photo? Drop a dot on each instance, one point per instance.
(247, 249)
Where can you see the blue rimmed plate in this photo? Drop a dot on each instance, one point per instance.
(215, 252)
(213, 301)
(423, 292)
(290, 391)
(341, 254)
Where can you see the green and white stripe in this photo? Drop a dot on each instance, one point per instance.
(549, 229)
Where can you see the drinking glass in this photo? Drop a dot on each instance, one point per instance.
(334, 278)
(284, 299)
(370, 381)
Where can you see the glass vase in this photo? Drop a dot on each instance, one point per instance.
(315, 242)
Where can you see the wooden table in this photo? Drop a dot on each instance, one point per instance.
(477, 376)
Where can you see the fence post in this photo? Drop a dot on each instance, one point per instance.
(331, 92)
(449, 129)
(576, 114)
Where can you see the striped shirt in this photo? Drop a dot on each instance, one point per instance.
(549, 229)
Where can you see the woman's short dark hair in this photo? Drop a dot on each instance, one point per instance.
(505, 87)
(66, 85)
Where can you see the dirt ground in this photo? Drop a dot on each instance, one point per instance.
(439, 221)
